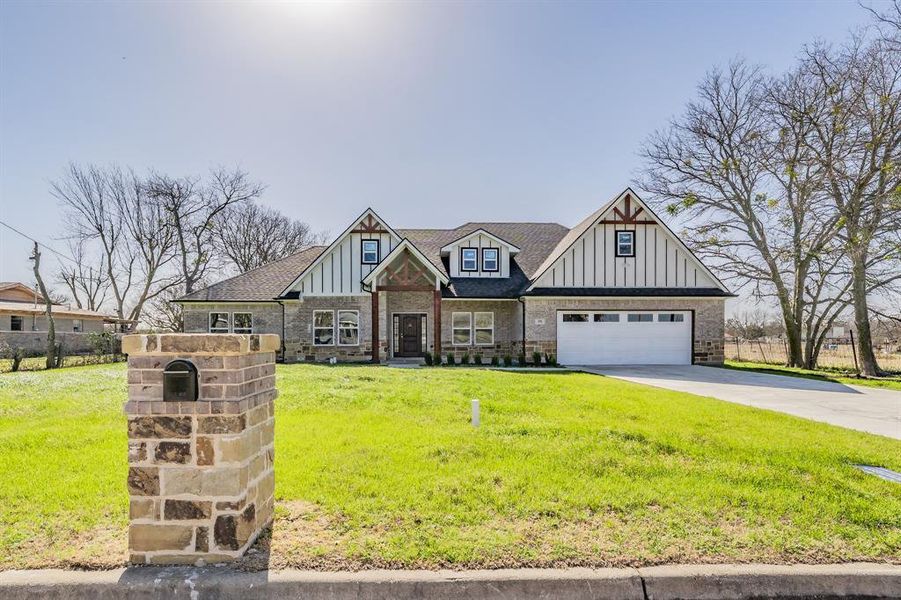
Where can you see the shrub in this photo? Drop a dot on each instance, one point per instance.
(105, 342)
(450, 359)
(550, 359)
(428, 359)
(536, 358)
(521, 359)
(464, 360)
(494, 361)
(478, 359)
(508, 360)
(437, 359)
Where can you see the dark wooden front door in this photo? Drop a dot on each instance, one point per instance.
(410, 336)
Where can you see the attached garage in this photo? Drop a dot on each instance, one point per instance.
(624, 337)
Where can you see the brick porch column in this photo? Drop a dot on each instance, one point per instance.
(200, 476)
(375, 324)
(437, 319)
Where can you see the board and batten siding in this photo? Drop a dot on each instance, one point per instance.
(340, 271)
(479, 241)
(658, 262)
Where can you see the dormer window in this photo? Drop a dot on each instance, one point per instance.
(370, 252)
(469, 259)
(625, 243)
(489, 260)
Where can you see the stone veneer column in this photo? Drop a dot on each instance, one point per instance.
(200, 474)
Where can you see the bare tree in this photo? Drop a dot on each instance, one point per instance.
(733, 162)
(251, 235)
(48, 303)
(855, 117)
(162, 314)
(85, 279)
(194, 209)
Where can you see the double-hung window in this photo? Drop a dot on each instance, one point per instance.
(484, 328)
(242, 322)
(469, 259)
(218, 322)
(348, 328)
(462, 326)
(77, 325)
(16, 323)
(489, 260)
(323, 328)
(625, 243)
(370, 252)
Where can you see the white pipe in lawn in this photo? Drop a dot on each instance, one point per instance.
(475, 413)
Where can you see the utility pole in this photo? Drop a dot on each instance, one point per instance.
(51, 328)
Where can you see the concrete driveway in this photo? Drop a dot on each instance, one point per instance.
(869, 409)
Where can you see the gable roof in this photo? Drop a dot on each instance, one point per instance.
(579, 230)
(405, 244)
(257, 285)
(480, 231)
(368, 212)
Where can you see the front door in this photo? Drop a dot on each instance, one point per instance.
(410, 336)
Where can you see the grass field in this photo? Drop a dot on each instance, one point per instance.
(379, 467)
(892, 382)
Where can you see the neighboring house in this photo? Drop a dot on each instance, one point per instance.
(23, 321)
(618, 288)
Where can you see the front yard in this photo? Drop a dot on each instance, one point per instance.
(379, 467)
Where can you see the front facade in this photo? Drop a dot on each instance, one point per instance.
(619, 288)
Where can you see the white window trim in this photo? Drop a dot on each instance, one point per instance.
(338, 326)
(631, 254)
(334, 338)
(455, 329)
(475, 330)
(475, 260)
(242, 312)
(363, 251)
(209, 321)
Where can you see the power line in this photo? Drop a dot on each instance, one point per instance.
(43, 245)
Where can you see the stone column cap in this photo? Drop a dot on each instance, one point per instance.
(200, 343)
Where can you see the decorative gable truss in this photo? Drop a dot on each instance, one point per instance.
(405, 269)
(657, 258)
(341, 267)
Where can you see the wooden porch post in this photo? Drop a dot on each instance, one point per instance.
(375, 324)
(437, 312)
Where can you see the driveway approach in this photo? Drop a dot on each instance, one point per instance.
(869, 409)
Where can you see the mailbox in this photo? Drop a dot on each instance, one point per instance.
(180, 381)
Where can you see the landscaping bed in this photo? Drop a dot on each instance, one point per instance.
(379, 467)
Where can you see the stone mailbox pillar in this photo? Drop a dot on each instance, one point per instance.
(200, 475)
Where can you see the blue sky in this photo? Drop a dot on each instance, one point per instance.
(432, 113)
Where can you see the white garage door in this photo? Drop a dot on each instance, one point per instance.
(624, 337)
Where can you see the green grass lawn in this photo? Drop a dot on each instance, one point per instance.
(379, 467)
(892, 382)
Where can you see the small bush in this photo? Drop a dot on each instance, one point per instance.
(550, 359)
(521, 359)
(478, 359)
(437, 359)
(508, 360)
(494, 361)
(464, 360)
(428, 359)
(450, 359)
(536, 358)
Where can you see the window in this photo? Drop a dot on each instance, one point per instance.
(671, 317)
(348, 328)
(218, 322)
(323, 328)
(625, 243)
(370, 252)
(469, 259)
(606, 318)
(484, 328)
(489, 260)
(76, 325)
(575, 318)
(242, 323)
(641, 318)
(462, 326)
(16, 323)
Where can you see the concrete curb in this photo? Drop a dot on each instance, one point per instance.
(702, 582)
